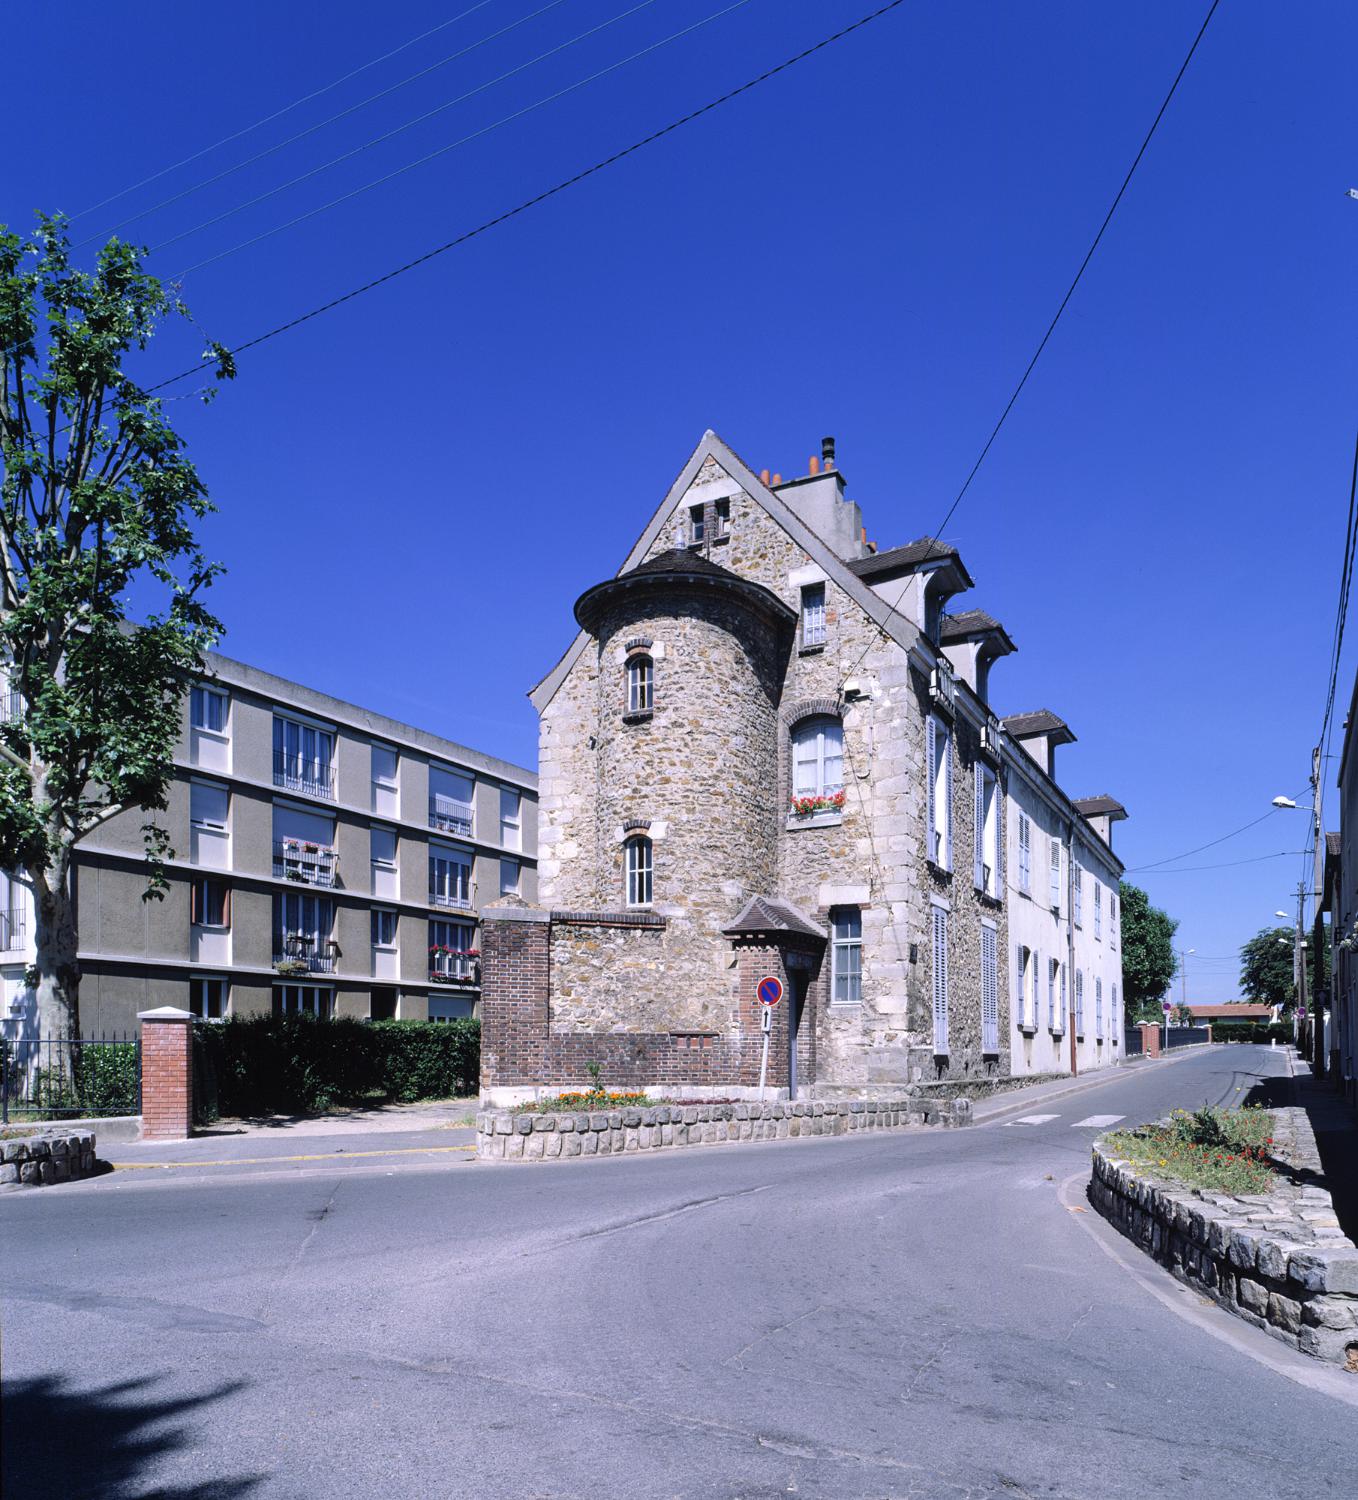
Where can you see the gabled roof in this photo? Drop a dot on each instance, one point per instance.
(927, 551)
(1232, 1010)
(1100, 807)
(680, 566)
(769, 914)
(890, 620)
(971, 623)
(1041, 721)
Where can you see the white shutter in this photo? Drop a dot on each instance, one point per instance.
(940, 982)
(947, 792)
(990, 998)
(1000, 838)
(931, 799)
(1020, 995)
(978, 829)
(1061, 1026)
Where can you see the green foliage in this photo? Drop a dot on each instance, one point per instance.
(106, 1078)
(1223, 1149)
(1148, 962)
(264, 1065)
(1247, 1031)
(1266, 967)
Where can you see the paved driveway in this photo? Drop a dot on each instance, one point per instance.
(896, 1316)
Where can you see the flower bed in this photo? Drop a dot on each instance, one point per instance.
(1224, 1149)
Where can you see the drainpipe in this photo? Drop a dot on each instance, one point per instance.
(1070, 947)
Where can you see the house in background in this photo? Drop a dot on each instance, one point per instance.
(328, 860)
(770, 752)
(1246, 1012)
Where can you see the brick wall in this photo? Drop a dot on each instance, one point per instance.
(166, 1074)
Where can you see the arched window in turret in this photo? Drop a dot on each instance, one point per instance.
(640, 683)
(638, 863)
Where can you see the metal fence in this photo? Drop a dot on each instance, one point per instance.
(52, 1079)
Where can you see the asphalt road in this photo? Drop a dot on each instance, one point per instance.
(917, 1315)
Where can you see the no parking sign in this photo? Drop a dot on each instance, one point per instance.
(769, 990)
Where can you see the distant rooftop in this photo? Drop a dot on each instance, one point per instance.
(1100, 807)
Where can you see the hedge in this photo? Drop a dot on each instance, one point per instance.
(293, 1065)
(1248, 1031)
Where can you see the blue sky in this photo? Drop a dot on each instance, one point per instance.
(414, 489)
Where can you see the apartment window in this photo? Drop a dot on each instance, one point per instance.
(940, 955)
(1098, 1008)
(511, 818)
(1055, 878)
(1077, 879)
(382, 858)
(13, 914)
(452, 950)
(444, 1008)
(639, 871)
(1053, 973)
(990, 990)
(1098, 912)
(383, 928)
(1026, 988)
(303, 757)
(209, 840)
(813, 615)
(382, 1005)
(450, 802)
(939, 752)
(209, 902)
(817, 763)
(640, 684)
(385, 784)
(1079, 1002)
(1025, 854)
(302, 927)
(846, 956)
(208, 998)
(721, 518)
(509, 877)
(986, 832)
(697, 528)
(303, 845)
(207, 709)
(304, 1000)
(450, 877)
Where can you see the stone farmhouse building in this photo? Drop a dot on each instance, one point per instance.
(770, 752)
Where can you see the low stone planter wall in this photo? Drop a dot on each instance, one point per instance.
(50, 1156)
(504, 1136)
(1278, 1260)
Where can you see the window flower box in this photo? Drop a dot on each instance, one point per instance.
(452, 965)
(814, 804)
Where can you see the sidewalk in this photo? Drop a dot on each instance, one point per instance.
(1335, 1126)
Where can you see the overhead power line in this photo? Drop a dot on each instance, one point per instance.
(548, 193)
(1229, 865)
(517, 114)
(322, 124)
(278, 113)
(1051, 327)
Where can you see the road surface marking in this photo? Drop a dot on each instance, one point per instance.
(1032, 1120)
(259, 1161)
(1098, 1121)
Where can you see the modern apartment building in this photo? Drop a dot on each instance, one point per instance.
(327, 859)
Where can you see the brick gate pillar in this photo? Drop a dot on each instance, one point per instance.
(515, 989)
(166, 1074)
(1150, 1039)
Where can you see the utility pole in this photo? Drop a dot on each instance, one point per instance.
(1318, 1044)
(1299, 960)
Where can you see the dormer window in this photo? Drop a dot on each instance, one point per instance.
(721, 519)
(640, 684)
(697, 526)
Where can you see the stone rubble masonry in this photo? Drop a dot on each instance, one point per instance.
(50, 1156)
(502, 1135)
(166, 1074)
(1278, 1260)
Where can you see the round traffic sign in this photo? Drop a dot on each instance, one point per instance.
(770, 990)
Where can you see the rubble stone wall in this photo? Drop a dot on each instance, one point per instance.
(51, 1156)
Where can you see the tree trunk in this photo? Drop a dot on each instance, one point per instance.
(57, 942)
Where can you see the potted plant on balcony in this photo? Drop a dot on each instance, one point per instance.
(290, 968)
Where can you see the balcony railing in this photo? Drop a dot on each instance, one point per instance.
(453, 968)
(299, 774)
(303, 861)
(11, 705)
(304, 953)
(451, 900)
(12, 930)
(450, 815)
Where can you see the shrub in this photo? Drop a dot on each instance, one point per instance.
(1222, 1149)
(260, 1065)
(106, 1078)
(1246, 1031)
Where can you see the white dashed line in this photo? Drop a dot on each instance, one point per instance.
(1032, 1120)
(1098, 1121)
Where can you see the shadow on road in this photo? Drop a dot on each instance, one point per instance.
(1336, 1131)
(98, 1444)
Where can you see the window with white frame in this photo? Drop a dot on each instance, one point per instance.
(940, 974)
(939, 755)
(990, 990)
(511, 817)
(304, 1000)
(303, 845)
(207, 709)
(817, 764)
(1079, 1002)
(208, 997)
(451, 805)
(640, 684)
(1053, 974)
(1025, 854)
(209, 840)
(987, 832)
(1026, 987)
(638, 863)
(697, 528)
(303, 925)
(385, 784)
(386, 958)
(209, 902)
(1112, 920)
(386, 880)
(444, 1008)
(1077, 884)
(303, 757)
(383, 923)
(1098, 1009)
(813, 615)
(1098, 912)
(846, 956)
(209, 741)
(1054, 882)
(450, 876)
(1061, 1001)
(509, 877)
(452, 950)
(721, 518)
